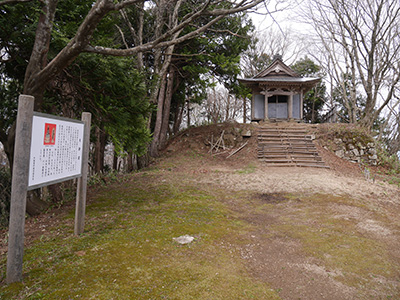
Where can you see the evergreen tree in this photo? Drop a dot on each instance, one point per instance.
(314, 99)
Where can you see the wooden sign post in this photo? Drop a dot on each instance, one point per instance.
(48, 150)
(19, 188)
(82, 181)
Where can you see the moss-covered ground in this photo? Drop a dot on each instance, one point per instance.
(128, 251)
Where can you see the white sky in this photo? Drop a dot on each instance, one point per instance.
(284, 17)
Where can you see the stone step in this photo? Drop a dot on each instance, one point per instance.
(286, 144)
(302, 161)
(282, 139)
(288, 147)
(310, 157)
(295, 154)
(307, 157)
(297, 129)
(276, 161)
(313, 166)
(272, 157)
(280, 165)
(277, 134)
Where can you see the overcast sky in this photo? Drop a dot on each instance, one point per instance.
(283, 19)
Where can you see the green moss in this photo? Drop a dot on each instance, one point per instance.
(250, 168)
(128, 252)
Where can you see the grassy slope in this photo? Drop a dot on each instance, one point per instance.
(128, 250)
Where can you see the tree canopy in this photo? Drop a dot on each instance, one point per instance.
(314, 99)
(41, 39)
(359, 45)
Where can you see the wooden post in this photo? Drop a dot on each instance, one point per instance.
(244, 110)
(290, 106)
(19, 187)
(82, 181)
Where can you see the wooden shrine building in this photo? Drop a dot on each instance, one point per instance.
(278, 92)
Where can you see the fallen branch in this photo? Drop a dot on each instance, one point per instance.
(237, 150)
(217, 144)
(215, 154)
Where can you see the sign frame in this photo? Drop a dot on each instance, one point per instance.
(20, 179)
(62, 179)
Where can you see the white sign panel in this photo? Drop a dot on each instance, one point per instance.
(56, 150)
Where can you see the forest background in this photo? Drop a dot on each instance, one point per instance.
(145, 69)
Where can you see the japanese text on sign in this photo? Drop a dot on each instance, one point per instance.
(56, 150)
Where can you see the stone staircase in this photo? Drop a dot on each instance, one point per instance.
(288, 146)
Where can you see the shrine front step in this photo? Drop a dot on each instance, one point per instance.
(288, 147)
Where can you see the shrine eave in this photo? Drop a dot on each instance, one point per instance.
(280, 80)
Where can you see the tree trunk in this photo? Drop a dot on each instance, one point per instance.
(34, 204)
(166, 110)
(115, 161)
(160, 107)
(143, 161)
(313, 112)
(178, 118)
(99, 148)
(56, 193)
(129, 162)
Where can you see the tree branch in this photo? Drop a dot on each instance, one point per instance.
(162, 42)
(5, 2)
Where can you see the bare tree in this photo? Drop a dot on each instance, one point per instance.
(219, 106)
(267, 44)
(41, 69)
(360, 41)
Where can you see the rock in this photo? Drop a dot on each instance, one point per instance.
(184, 239)
(373, 157)
(351, 147)
(247, 133)
(340, 153)
(356, 152)
(338, 141)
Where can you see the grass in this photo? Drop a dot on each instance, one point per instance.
(250, 168)
(128, 252)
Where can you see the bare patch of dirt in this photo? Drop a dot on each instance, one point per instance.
(272, 198)
(281, 262)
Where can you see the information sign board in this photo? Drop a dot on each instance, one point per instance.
(56, 150)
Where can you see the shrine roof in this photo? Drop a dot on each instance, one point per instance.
(280, 79)
(279, 73)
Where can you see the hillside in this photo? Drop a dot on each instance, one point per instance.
(259, 232)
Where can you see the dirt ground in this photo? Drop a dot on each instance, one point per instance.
(371, 205)
(280, 260)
